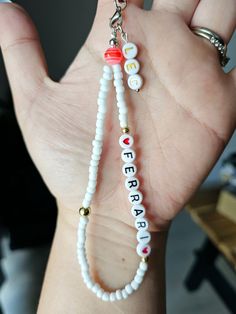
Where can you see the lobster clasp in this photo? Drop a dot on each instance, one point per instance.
(116, 19)
(121, 4)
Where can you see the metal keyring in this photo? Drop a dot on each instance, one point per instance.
(215, 40)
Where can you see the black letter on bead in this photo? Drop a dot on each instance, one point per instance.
(135, 197)
(133, 183)
(129, 169)
(129, 154)
(138, 212)
(141, 224)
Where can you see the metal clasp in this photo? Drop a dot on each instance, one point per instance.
(121, 4)
(116, 19)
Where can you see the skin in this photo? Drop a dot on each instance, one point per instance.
(181, 120)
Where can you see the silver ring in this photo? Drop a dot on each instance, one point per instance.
(215, 40)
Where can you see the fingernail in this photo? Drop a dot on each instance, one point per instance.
(5, 1)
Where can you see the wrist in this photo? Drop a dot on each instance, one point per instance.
(113, 261)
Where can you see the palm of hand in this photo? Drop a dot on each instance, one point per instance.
(181, 119)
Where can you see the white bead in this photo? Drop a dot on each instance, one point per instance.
(118, 83)
(124, 294)
(143, 250)
(102, 109)
(94, 163)
(104, 82)
(99, 137)
(129, 169)
(92, 184)
(143, 266)
(102, 95)
(95, 288)
(93, 169)
(121, 104)
(143, 236)
(101, 102)
(105, 296)
(135, 82)
(123, 124)
(135, 197)
(120, 97)
(138, 279)
(135, 285)
(99, 131)
(97, 143)
(99, 123)
(89, 284)
(141, 223)
(120, 89)
(83, 220)
(118, 295)
(131, 66)
(140, 272)
(85, 203)
(107, 76)
(100, 293)
(93, 176)
(118, 75)
(123, 118)
(88, 196)
(107, 69)
(112, 296)
(129, 289)
(100, 116)
(116, 68)
(128, 155)
(91, 190)
(97, 150)
(130, 50)
(126, 141)
(132, 183)
(123, 110)
(104, 88)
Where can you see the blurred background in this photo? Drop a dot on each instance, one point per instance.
(28, 211)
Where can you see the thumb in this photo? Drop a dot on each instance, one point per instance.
(22, 52)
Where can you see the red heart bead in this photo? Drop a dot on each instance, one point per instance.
(145, 250)
(126, 141)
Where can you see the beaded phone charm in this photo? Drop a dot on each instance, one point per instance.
(114, 56)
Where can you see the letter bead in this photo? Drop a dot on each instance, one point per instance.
(131, 66)
(128, 155)
(143, 236)
(135, 197)
(131, 183)
(126, 141)
(129, 169)
(135, 82)
(138, 211)
(130, 50)
(141, 224)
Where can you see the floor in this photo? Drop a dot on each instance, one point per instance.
(184, 238)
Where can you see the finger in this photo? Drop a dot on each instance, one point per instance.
(219, 16)
(185, 8)
(22, 52)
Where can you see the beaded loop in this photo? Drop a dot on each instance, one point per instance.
(135, 197)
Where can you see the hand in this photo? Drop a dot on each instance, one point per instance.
(181, 119)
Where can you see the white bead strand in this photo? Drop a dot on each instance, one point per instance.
(120, 95)
(105, 85)
(130, 168)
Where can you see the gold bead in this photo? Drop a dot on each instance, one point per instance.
(145, 259)
(125, 130)
(84, 211)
